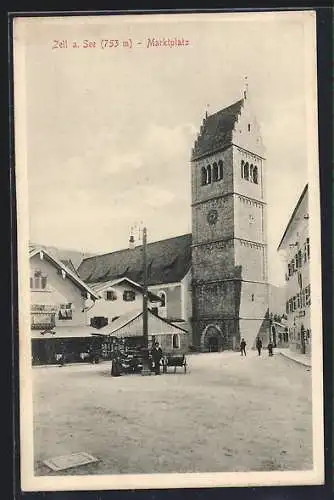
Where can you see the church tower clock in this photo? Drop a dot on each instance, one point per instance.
(229, 240)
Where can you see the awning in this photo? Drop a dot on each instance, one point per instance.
(63, 332)
(131, 325)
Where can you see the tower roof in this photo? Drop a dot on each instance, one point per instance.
(216, 131)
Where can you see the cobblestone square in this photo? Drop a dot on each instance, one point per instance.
(229, 413)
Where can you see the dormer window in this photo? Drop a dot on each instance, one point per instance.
(129, 295)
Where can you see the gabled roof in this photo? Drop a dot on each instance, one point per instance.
(69, 264)
(168, 261)
(302, 196)
(131, 325)
(216, 130)
(100, 287)
(59, 265)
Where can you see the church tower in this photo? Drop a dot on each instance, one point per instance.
(229, 240)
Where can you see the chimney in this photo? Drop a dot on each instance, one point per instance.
(131, 242)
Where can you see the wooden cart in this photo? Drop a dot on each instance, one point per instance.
(175, 361)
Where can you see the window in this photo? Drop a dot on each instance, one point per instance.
(221, 169)
(129, 295)
(298, 301)
(98, 321)
(248, 127)
(287, 307)
(294, 303)
(208, 173)
(65, 311)
(242, 168)
(203, 176)
(111, 295)
(162, 296)
(308, 248)
(308, 295)
(42, 321)
(38, 281)
(255, 175)
(252, 297)
(251, 173)
(215, 174)
(246, 172)
(176, 341)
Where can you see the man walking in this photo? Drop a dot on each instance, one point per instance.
(156, 357)
(259, 345)
(243, 347)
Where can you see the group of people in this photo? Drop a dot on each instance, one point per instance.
(156, 356)
(259, 347)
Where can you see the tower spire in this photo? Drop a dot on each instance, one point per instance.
(246, 87)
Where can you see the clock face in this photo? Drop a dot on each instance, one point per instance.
(212, 216)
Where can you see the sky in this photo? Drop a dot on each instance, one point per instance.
(109, 131)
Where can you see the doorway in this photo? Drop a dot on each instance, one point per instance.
(213, 344)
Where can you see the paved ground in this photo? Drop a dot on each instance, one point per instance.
(227, 414)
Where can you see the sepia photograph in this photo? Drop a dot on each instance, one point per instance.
(169, 256)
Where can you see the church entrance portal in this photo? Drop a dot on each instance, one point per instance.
(212, 339)
(213, 344)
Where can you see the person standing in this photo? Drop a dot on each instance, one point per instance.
(156, 357)
(270, 348)
(259, 345)
(243, 347)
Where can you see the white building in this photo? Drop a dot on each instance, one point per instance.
(295, 250)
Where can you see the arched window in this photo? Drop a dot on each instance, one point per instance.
(203, 176)
(255, 175)
(251, 173)
(208, 171)
(176, 341)
(242, 168)
(221, 169)
(215, 175)
(246, 171)
(162, 296)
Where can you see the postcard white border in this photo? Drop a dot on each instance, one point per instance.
(29, 482)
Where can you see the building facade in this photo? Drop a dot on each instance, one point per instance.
(229, 240)
(59, 306)
(117, 298)
(168, 271)
(295, 251)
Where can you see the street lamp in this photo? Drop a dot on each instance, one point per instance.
(143, 230)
